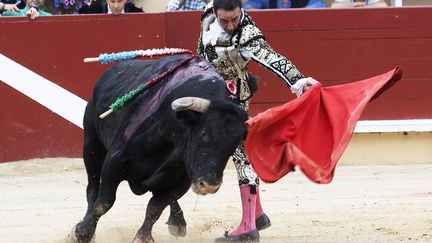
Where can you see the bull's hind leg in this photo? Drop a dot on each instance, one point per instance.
(94, 154)
(176, 222)
(110, 179)
(156, 205)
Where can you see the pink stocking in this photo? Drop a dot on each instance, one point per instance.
(248, 197)
(258, 211)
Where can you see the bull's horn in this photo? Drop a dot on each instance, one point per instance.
(190, 103)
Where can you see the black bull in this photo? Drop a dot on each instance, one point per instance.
(158, 142)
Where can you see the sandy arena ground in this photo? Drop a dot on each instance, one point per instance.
(41, 200)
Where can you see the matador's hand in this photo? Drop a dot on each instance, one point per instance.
(302, 85)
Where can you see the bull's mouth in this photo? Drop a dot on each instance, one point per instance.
(201, 187)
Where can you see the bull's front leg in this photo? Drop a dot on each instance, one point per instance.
(110, 180)
(156, 205)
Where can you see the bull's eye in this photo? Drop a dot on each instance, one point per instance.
(204, 135)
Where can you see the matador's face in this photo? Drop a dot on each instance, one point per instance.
(229, 19)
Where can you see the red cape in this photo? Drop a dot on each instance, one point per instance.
(311, 131)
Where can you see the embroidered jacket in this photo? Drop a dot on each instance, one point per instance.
(230, 54)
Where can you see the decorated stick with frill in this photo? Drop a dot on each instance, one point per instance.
(125, 55)
(122, 101)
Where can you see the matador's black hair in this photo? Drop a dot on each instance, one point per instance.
(226, 4)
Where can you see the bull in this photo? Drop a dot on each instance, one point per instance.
(177, 134)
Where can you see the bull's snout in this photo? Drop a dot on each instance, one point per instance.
(202, 187)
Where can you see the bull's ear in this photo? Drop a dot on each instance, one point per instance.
(188, 117)
(236, 117)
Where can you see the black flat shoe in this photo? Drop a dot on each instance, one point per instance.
(251, 236)
(263, 222)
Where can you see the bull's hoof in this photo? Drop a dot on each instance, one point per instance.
(141, 239)
(251, 236)
(262, 222)
(177, 224)
(72, 237)
(177, 231)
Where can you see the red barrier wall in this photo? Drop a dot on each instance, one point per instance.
(334, 46)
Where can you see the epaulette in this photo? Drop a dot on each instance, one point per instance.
(248, 32)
